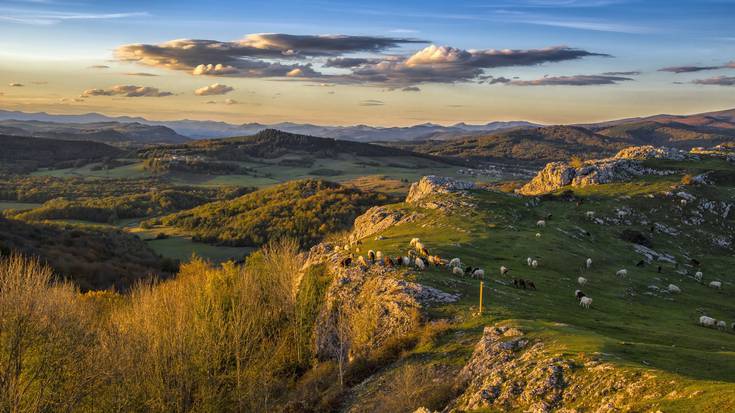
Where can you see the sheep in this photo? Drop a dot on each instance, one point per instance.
(361, 261)
(705, 321)
(371, 256)
(579, 294)
(406, 261)
(538, 235)
(420, 264)
(721, 325)
(588, 262)
(389, 262)
(530, 285)
(478, 273)
(640, 263)
(519, 283)
(419, 246)
(585, 302)
(674, 289)
(529, 260)
(622, 273)
(504, 270)
(716, 284)
(468, 270)
(732, 326)
(412, 254)
(379, 256)
(683, 202)
(698, 276)
(455, 262)
(413, 242)
(345, 262)
(590, 214)
(541, 223)
(581, 281)
(457, 271)
(534, 264)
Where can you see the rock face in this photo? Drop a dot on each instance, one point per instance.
(653, 152)
(510, 372)
(378, 219)
(622, 167)
(432, 184)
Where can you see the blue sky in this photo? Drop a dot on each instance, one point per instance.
(56, 41)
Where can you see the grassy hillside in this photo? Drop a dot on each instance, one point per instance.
(306, 210)
(671, 133)
(532, 144)
(22, 154)
(107, 132)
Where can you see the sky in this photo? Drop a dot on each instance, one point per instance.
(372, 62)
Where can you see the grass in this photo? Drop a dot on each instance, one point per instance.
(179, 245)
(636, 331)
(18, 206)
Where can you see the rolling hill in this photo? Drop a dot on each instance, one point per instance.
(117, 133)
(20, 154)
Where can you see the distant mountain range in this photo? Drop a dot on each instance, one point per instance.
(107, 132)
(196, 129)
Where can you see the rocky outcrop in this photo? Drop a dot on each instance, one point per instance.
(378, 219)
(622, 167)
(509, 371)
(432, 184)
(365, 307)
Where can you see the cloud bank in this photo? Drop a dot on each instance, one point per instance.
(213, 89)
(578, 80)
(130, 91)
(716, 81)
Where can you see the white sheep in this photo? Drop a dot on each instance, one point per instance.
(581, 281)
(585, 302)
(406, 261)
(503, 270)
(705, 321)
(457, 271)
(534, 264)
(379, 256)
(420, 264)
(683, 202)
(589, 262)
(479, 273)
(674, 289)
(622, 273)
(538, 235)
(413, 242)
(715, 284)
(361, 261)
(419, 246)
(541, 223)
(529, 260)
(455, 262)
(698, 276)
(721, 325)
(590, 214)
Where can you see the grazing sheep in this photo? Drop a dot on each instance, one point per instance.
(659, 269)
(379, 256)
(721, 325)
(457, 271)
(622, 273)
(420, 264)
(504, 270)
(389, 262)
(345, 262)
(538, 235)
(581, 281)
(530, 285)
(361, 261)
(371, 256)
(683, 202)
(585, 302)
(674, 289)
(529, 260)
(478, 273)
(589, 262)
(412, 254)
(406, 261)
(698, 276)
(732, 326)
(590, 214)
(579, 294)
(534, 264)
(346, 247)
(418, 246)
(705, 321)
(519, 283)
(414, 241)
(455, 262)
(716, 284)
(468, 270)
(541, 223)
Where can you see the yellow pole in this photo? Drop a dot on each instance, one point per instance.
(481, 284)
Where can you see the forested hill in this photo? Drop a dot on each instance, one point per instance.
(272, 143)
(26, 154)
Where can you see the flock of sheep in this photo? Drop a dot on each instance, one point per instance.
(419, 258)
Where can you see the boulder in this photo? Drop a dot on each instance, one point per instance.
(432, 184)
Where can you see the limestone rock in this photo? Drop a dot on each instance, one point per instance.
(432, 184)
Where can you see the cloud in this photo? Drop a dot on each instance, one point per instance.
(443, 64)
(371, 102)
(630, 73)
(255, 55)
(688, 69)
(578, 80)
(231, 102)
(491, 80)
(45, 18)
(411, 89)
(144, 74)
(13, 84)
(716, 81)
(349, 62)
(213, 89)
(98, 67)
(129, 91)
